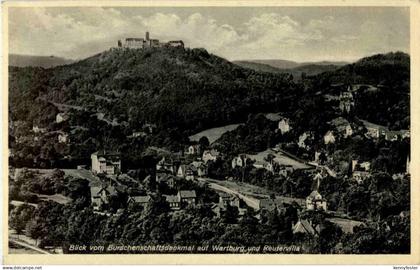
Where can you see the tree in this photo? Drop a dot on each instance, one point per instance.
(204, 142)
(230, 215)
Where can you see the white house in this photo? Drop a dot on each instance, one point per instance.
(37, 129)
(239, 161)
(108, 163)
(315, 201)
(210, 155)
(284, 126)
(329, 137)
(61, 117)
(63, 137)
(193, 149)
(302, 140)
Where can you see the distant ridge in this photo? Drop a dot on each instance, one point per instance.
(294, 68)
(20, 60)
(287, 64)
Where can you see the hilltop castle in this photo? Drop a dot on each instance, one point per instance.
(147, 42)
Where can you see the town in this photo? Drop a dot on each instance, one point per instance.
(116, 167)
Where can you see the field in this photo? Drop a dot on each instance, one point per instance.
(213, 133)
(84, 174)
(280, 158)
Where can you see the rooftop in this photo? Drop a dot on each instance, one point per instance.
(187, 193)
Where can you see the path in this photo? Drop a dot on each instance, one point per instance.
(251, 202)
(23, 244)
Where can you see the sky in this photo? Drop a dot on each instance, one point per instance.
(301, 34)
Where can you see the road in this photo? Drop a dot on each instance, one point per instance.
(23, 244)
(251, 202)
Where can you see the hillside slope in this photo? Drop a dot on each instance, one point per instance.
(186, 89)
(19, 60)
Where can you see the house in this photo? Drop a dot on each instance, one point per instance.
(285, 170)
(149, 128)
(63, 137)
(315, 201)
(193, 149)
(284, 126)
(342, 126)
(140, 200)
(216, 209)
(329, 138)
(360, 176)
(267, 204)
(188, 172)
(61, 117)
(407, 165)
(360, 170)
(303, 140)
(357, 166)
(346, 101)
(404, 214)
(392, 135)
(37, 129)
(200, 168)
(373, 131)
(303, 226)
(239, 161)
(405, 133)
(100, 195)
(210, 155)
(187, 197)
(166, 164)
(182, 171)
(106, 162)
(173, 201)
(320, 157)
(163, 177)
(137, 134)
(262, 164)
(227, 199)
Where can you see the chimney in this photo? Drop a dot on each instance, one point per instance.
(147, 35)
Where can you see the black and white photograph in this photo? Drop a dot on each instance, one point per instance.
(208, 130)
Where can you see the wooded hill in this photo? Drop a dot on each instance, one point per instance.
(186, 91)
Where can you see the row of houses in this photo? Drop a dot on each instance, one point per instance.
(206, 155)
(271, 165)
(100, 198)
(304, 226)
(342, 128)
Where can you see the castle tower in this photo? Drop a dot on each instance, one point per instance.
(147, 35)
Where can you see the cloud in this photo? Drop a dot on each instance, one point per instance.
(81, 32)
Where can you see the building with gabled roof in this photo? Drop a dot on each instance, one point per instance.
(284, 126)
(315, 201)
(329, 137)
(187, 197)
(173, 201)
(106, 162)
(100, 195)
(140, 200)
(212, 154)
(303, 226)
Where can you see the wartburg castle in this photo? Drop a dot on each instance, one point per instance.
(147, 42)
